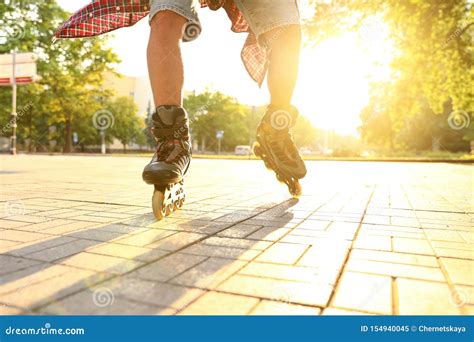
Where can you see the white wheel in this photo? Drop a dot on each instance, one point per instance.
(295, 188)
(157, 202)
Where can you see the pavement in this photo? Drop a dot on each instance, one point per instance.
(77, 236)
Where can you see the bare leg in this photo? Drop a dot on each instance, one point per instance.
(165, 65)
(285, 46)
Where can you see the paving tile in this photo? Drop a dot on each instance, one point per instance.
(96, 234)
(6, 310)
(365, 292)
(314, 225)
(128, 252)
(176, 241)
(37, 227)
(62, 251)
(393, 257)
(145, 238)
(374, 242)
(342, 312)
(283, 253)
(27, 218)
(168, 267)
(460, 271)
(325, 276)
(268, 234)
(444, 235)
(329, 253)
(453, 245)
(68, 228)
(153, 293)
(221, 252)
(240, 230)
(21, 236)
(455, 253)
(215, 303)
(43, 292)
(11, 263)
(7, 244)
(101, 263)
(462, 295)
(210, 273)
(395, 269)
(12, 224)
(237, 243)
(22, 278)
(416, 246)
(267, 307)
(420, 297)
(288, 292)
(102, 302)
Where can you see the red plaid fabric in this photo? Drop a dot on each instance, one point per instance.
(102, 16)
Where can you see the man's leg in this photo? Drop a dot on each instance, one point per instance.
(285, 44)
(165, 65)
(276, 25)
(170, 124)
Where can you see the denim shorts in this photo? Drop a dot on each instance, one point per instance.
(262, 15)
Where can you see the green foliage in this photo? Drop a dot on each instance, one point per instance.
(69, 90)
(433, 65)
(211, 112)
(127, 127)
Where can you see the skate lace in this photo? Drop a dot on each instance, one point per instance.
(169, 150)
(284, 148)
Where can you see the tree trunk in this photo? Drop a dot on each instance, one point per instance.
(124, 148)
(68, 137)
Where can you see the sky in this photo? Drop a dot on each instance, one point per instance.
(334, 77)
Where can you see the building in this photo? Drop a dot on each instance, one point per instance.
(137, 88)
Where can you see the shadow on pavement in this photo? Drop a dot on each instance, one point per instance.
(177, 264)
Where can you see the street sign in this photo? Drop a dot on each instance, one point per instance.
(25, 68)
(219, 134)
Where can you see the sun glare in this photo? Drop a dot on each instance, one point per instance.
(335, 77)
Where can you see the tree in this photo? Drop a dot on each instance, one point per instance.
(71, 73)
(127, 126)
(210, 112)
(433, 65)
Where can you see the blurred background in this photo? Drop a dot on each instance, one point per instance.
(378, 79)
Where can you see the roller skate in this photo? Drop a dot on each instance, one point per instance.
(276, 147)
(171, 160)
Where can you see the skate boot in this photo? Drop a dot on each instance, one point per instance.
(276, 147)
(170, 161)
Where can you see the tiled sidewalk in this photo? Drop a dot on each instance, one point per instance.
(77, 237)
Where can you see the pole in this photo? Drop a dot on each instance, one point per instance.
(219, 146)
(14, 114)
(102, 138)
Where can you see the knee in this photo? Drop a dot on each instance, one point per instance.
(286, 35)
(167, 26)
